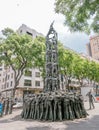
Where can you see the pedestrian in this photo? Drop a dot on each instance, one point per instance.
(91, 99)
(1, 107)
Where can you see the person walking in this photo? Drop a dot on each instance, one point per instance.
(1, 107)
(91, 99)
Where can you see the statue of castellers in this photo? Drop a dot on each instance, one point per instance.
(53, 106)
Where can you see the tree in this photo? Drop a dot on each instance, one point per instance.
(80, 15)
(40, 55)
(79, 67)
(92, 71)
(65, 63)
(20, 52)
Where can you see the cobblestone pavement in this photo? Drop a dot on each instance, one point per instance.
(15, 122)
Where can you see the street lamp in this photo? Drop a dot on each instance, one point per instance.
(27, 90)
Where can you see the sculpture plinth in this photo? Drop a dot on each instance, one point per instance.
(53, 104)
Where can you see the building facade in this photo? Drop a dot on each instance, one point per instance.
(31, 81)
(23, 29)
(93, 47)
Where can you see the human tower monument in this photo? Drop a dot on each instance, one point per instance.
(53, 104)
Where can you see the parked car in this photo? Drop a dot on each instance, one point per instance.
(18, 105)
(97, 98)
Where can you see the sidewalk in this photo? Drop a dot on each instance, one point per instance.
(15, 122)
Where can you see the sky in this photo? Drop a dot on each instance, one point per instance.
(38, 15)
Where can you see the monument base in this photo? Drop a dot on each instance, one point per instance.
(54, 106)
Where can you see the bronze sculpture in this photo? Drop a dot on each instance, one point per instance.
(53, 104)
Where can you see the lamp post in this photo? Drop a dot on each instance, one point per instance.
(27, 91)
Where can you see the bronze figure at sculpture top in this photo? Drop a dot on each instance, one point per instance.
(52, 74)
(53, 104)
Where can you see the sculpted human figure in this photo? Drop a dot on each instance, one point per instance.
(32, 107)
(54, 70)
(27, 108)
(57, 107)
(81, 103)
(74, 107)
(69, 108)
(54, 45)
(22, 113)
(78, 107)
(65, 101)
(42, 106)
(49, 109)
(55, 84)
(49, 70)
(48, 56)
(37, 107)
(54, 57)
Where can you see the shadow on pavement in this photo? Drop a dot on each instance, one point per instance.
(80, 124)
(85, 124)
(16, 118)
(38, 128)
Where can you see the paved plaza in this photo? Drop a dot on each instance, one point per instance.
(15, 122)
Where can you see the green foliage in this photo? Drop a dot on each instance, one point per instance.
(7, 32)
(80, 67)
(39, 52)
(21, 52)
(77, 67)
(97, 73)
(93, 71)
(79, 14)
(21, 49)
(73, 65)
(65, 60)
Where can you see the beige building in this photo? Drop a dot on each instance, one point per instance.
(23, 29)
(93, 47)
(31, 81)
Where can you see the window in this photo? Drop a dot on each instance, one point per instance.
(2, 86)
(29, 33)
(37, 83)
(8, 77)
(37, 74)
(3, 79)
(3, 73)
(27, 83)
(28, 73)
(12, 75)
(7, 85)
(20, 31)
(5, 67)
(11, 83)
